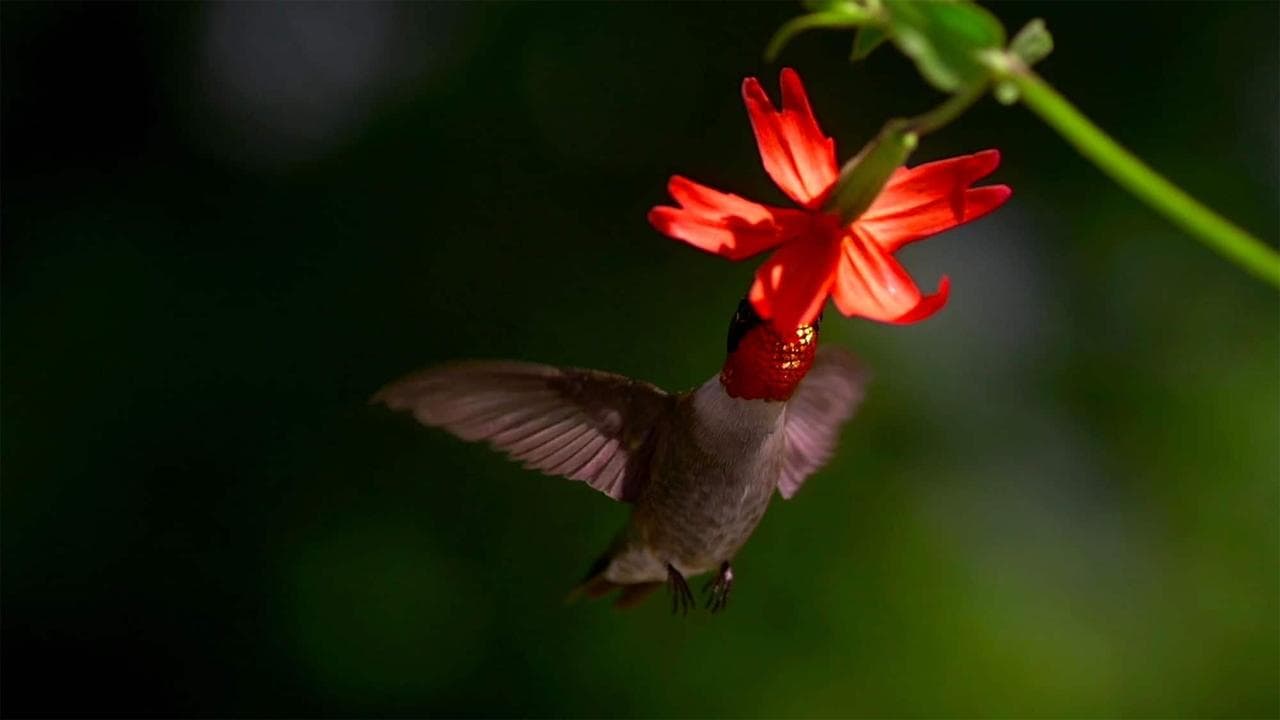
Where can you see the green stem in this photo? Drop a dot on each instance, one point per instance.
(864, 176)
(1131, 173)
(953, 107)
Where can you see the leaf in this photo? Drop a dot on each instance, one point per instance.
(945, 38)
(869, 38)
(848, 15)
(1033, 43)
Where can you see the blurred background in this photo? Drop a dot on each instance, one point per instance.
(226, 225)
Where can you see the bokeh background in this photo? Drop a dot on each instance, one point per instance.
(226, 225)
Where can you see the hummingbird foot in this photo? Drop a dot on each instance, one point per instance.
(718, 588)
(681, 595)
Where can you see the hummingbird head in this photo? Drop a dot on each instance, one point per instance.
(763, 364)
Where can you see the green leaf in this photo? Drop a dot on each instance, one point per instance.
(869, 38)
(848, 15)
(1033, 43)
(945, 39)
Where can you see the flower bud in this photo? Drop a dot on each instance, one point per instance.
(863, 177)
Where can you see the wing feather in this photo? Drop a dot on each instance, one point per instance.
(826, 398)
(585, 425)
(582, 452)
(542, 433)
(611, 478)
(537, 458)
(524, 426)
(593, 467)
(548, 461)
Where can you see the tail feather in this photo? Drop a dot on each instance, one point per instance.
(593, 589)
(595, 586)
(633, 595)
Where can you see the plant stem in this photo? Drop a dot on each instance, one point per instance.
(1134, 175)
(927, 122)
(863, 177)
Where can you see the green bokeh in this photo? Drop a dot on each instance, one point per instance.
(1060, 498)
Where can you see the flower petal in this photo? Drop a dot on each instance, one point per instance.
(792, 285)
(910, 187)
(928, 199)
(722, 223)
(870, 283)
(799, 158)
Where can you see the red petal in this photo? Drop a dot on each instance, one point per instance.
(911, 186)
(799, 158)
(792, 285)
(929, 304)
(721, 223)
(926, 200)
(870, 283)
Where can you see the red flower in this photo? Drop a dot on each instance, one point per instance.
(818, 255)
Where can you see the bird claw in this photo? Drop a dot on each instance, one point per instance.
(681, 595)
(718, 588)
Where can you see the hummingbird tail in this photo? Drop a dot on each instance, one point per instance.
(595, 586)
(592, 589)
(598, 587)
(633, 595)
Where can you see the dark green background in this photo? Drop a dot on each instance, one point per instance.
(1059, 499)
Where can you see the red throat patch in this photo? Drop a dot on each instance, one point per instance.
(768, 366)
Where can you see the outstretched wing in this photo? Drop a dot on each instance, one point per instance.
(584, 425)
(824, 400)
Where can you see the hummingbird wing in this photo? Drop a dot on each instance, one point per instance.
(822, 402)
(585, 425)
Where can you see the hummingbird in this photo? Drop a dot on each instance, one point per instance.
(698, 468)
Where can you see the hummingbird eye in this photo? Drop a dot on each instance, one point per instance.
(744, 320)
